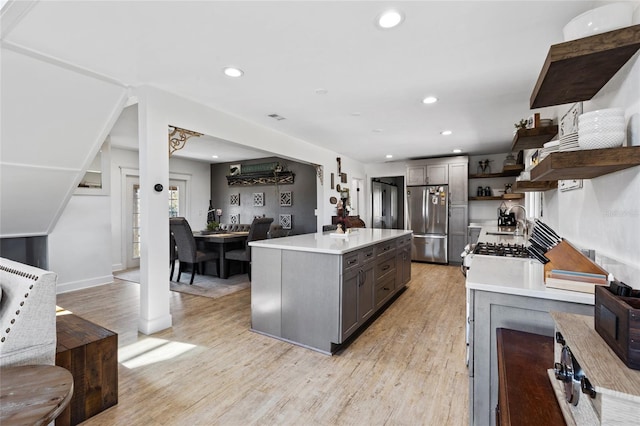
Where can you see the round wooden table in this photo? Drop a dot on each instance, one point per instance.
(33, 394)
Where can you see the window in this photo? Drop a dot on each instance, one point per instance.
(174, 201)
(136, 221)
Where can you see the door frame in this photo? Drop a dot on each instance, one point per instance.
(125, 174)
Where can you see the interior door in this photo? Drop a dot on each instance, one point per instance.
(133, 234)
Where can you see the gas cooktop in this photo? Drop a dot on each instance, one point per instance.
(501, 249)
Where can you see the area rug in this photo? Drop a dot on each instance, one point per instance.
(203, 285)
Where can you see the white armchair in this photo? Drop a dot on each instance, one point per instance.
(27, 314)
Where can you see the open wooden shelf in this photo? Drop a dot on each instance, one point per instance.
(533, 138)
(585, 164)
(498, 198)
(507, 171)
(576, 70)
(528, 186)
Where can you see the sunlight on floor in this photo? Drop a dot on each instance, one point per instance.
(149, 351)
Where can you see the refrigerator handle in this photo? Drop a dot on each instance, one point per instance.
(425, 218)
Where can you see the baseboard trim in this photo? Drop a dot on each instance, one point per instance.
(150, 326)
(82, 284)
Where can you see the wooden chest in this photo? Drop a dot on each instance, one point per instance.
(90, 353)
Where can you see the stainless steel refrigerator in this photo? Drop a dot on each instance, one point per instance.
(429, 220)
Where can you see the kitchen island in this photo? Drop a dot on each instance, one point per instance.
(316, 290)
(508, 293)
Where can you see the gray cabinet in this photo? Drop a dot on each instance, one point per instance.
(489, 311)
(385, 276)
(428, 174)
(416, 175)
(458, 219)
(357, 290)
(403, 261)
(458, 183)
(437, 174)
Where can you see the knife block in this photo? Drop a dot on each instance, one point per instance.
(566, 257)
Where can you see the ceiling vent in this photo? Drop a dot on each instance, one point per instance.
(277, 117)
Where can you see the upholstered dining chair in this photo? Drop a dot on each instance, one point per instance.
(259, 231)
(173, 253)
(188, 254)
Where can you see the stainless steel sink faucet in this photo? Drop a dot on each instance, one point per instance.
(522, 222)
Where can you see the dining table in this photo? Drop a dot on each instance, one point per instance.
(222, 242)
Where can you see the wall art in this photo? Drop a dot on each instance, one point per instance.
(234, 199)
(234, 219)
(286, 199)
(258, 199)
(285, 221)
(235, 169)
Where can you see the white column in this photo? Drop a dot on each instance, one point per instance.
(154, 226)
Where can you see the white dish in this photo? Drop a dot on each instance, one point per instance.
(599, 20)
(602, 140)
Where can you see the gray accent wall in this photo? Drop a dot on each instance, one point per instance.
(303, 191)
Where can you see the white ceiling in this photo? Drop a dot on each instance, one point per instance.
(481, 59)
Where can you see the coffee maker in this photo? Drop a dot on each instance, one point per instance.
(504, 218)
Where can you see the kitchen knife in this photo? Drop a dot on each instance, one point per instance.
(542, 240)
(539, 247)
(533, 251)
(553, 240)
(549, 230)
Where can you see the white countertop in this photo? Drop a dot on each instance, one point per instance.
(320, 242)
(522, 277)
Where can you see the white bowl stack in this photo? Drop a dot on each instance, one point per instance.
(603, 128)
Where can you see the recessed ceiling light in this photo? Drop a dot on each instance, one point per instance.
(214, 156)
(233, 72)
(389, 156)
(321, 91)
(446, 132)
(356, 114)
(377, 130)
(389, 19)
(457, 151)
(430, 100)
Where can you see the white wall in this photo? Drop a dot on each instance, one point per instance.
(605, 214)
(79, 247)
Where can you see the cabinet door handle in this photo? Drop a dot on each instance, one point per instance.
(386, 288)
(385, 267)
(352, 262)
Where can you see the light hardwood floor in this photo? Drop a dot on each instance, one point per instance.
(406, 368)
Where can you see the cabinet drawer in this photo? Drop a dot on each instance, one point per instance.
(385, 266)
(384, 289)
(385, 248)
(403, 242)
(367, 254)
(350, 260)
